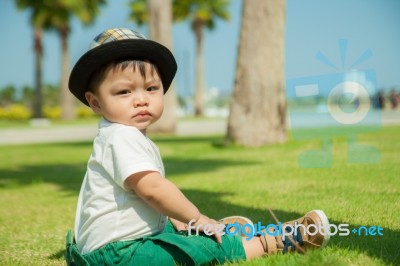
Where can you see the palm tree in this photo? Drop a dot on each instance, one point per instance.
(37, 23)
(160, 30)
(55, 15)
(258, 107)
(158, 14)
(203, 14)
(7, 95)
(86, 12)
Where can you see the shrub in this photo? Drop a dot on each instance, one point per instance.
(15, 112)
(52, 112)
(19, 112)
(84, 112)
(3, 113)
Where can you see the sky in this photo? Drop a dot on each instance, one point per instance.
(312, 27)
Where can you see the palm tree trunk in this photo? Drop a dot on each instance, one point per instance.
(199, 93)
(258, 107)
(38, 101)
(66, 98)
(160, 29)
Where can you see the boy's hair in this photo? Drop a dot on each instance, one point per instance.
(121, 64)
(114, 44)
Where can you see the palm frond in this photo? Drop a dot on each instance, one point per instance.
(139, 13)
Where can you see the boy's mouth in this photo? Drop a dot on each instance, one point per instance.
(142, 114)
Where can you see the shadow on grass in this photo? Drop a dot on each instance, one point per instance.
(69, 178)
(57, 255)
(176, 166)
(383, 247)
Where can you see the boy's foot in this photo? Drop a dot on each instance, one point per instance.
(309, 231)
(241, 222)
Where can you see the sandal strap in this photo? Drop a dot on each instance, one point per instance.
(269, 244)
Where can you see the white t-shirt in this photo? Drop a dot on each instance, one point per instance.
(107, 210)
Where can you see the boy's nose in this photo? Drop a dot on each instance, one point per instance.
(141, 99)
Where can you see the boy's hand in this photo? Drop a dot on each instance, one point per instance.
(210, 226)
(179, 226)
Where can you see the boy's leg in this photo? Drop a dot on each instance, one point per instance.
(271, 243)
(253, 247)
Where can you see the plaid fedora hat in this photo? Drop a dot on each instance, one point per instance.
(119, 43)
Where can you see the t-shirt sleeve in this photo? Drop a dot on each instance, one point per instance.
(130, 153)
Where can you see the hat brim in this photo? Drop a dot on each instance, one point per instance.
(139, 49)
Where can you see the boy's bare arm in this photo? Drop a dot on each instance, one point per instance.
(163, 195)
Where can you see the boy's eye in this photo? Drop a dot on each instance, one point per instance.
(122, 92)
(153, 88)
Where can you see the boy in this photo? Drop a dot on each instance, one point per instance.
(128, 213)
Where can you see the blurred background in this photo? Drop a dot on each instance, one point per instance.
(326, 73)
(314, 35)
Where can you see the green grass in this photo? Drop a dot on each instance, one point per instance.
(39, 185)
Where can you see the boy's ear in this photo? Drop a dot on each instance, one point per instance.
(91, 98)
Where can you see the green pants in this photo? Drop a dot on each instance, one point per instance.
(167, 248)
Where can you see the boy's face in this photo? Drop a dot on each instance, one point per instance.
(127, 98)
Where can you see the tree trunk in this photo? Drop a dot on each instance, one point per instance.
(38, 101)
(258, 106)
(66, 98)
(160, 30)
(199, 93)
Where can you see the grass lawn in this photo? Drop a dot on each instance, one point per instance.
(39, 186)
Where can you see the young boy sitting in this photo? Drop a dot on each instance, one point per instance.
(128, 213)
